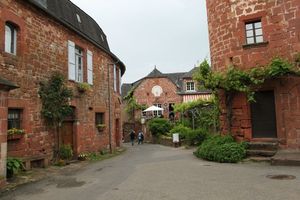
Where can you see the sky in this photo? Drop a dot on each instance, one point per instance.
(169, 34)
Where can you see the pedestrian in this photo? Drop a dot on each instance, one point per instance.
(141, 137)
(132, 136)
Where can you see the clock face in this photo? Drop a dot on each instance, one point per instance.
(157, 91)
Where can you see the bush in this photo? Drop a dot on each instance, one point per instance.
(66, 152)
(181, 129)
(221, 149)
(13, 166)
(196, 137)
(159, 126)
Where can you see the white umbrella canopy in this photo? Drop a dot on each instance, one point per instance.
(153, 108)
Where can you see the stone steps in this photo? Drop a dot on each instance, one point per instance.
(262, 149)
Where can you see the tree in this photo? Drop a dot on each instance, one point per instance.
(55, 97)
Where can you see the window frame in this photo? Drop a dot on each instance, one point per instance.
(11, 122)
(253, 30)
(102, 118)
(158, 113)
(12, 40)
(79, 52)
(190, 85)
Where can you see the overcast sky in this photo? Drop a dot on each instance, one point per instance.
(171, 34)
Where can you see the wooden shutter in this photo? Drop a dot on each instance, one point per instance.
(115, 78)
(8, 39)
(90, 67)
(71, 60)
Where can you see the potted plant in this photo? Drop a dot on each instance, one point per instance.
(15, 134)
(100, 127)
(83, 87)
(82, 156)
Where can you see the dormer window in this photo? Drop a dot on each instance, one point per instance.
(190, 86)
(10, 39)
(78, 18)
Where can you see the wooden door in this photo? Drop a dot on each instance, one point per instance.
(67, 136)
(263, 115)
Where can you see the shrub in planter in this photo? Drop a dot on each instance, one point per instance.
(159, 126)
(66, 152)
(13, 166)
(181, 129)
(83, 87)
(221, 149)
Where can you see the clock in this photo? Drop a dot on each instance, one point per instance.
(157, 91)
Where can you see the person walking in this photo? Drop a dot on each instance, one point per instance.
(140, 137)
(132, 136)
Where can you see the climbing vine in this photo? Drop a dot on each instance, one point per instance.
(55, 97)
(132, 105)
(235, 80)
(204, 113)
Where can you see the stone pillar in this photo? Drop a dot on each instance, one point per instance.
(3, 135)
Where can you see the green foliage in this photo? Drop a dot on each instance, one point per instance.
(205, 113)
(66, 152)
(55, 98)
(196, 137)
(83, 87)
(132, 105)
(159, 126)
(15, 131)
(221, 149)
(237, 80)
(13, 166)
(181, 129)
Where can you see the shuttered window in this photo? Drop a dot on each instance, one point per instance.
(72, 61)
(90, 67)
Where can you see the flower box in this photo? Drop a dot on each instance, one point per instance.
(101, 127)
(15, 134)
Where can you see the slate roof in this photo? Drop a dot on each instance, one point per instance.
(66, 13)
(7, 84)
(176, 78)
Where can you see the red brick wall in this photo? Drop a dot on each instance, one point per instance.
(226, 19)
(281, 31)
(3, 135)
(42, 49)
(143, 93)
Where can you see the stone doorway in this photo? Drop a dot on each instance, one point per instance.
(263, 115)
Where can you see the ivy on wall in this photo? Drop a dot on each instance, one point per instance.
(132, 105)
(234, 80)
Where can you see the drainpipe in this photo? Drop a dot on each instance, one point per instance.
(109, 105)
(109, 108)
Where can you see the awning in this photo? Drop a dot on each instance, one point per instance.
(153, 108)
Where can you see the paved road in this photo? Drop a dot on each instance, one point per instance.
(153, 172)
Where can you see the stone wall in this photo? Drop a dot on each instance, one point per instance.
(281, 32)
(43, 49)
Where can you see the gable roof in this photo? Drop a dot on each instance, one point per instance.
(71, 16)
(176, 78)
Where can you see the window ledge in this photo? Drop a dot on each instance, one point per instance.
(248, 46)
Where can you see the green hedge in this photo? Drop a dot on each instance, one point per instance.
(159, 126)
(196, 137)
(221, 149)
(181, 129)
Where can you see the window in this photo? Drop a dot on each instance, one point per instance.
(157, 113)
(190, 86)
(254, 32)
(10, 39)
(99, 118)
(115, 78)
(14, 118)
(78, 64)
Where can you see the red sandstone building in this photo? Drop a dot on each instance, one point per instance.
(38, 38)
(164, 90)
(246, 34)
